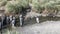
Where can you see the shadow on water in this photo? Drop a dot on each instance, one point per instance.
(42, 19)
(29, 21)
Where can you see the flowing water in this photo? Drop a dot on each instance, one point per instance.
(47, 25)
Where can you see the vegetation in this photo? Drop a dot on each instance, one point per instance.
(16, 6)
(3, 3)
(40, 5)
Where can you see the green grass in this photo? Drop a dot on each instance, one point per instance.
(6, 31)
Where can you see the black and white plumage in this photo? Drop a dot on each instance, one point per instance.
(12, 20)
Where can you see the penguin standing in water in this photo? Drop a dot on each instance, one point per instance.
(4, 20)
(0, 22)
(23, 14)
(37, 19)
(12, 20)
